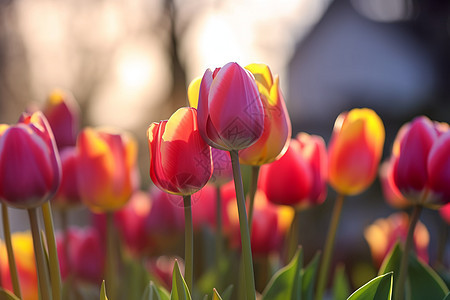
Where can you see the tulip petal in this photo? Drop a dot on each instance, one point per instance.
(439, 168)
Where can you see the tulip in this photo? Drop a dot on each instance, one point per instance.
(274, 141)
(444, 211)
(383, 234)
(29, 162)
(68, 193)
(420, 160)
(230, 112)
(62, 113)
(107, 174)
(85, 259)
(391, 193)
(23, 250)
(355, 151)
(180, 161)
(298, 178)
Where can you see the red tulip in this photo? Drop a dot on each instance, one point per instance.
(444, 211)
(107, 173)
(298, 178)
(180, 161)
(391, 193)
(384, 233)
(420, 173)
(68, 192)
(62, 113)
(230, 112)
(274, 141)
(355, 151)
(29, 162)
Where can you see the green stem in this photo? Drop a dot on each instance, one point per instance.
(55, 275)
(111, 258)
(292, 245)
(252, 193)
(41, 265)
(188, 243)
(328, 249)
(400, 285)
(9, 250)
(244, 228)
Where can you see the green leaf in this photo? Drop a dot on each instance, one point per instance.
(226, 295)
(341, 287)
(309, 278)
(424, 282)
(216, 295)
(103, 292)
(7, 295)
(153, 292)
(287, 282)
(379, 288)
(179, 287)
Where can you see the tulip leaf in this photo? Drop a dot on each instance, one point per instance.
(227, 293)
(423, 281)
(103, 292)
(309, 276)
(179, 287)
(216, 295)
(152, 292)
(341, 287)
(447, 297)
(7, 295)
(287, 282)
(379, 288)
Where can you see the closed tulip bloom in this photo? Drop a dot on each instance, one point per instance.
(355, 151)
(222, 170)
(68, 192)
(180, 160)
(63, 115)
(391, 193)
(274, 141)
(107, 173)
(22, 243)
(438, 167)
(29, 162)
(230, 111)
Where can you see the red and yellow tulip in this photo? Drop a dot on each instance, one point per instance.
(355, 151)
(107, 173)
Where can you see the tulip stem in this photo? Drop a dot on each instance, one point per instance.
(244, 228)
(292, 244)
(55, 276)
(41, 265)
(188, 243)
(329, 245)
(111, 266)
(252, 191)
(9, 250)
(400, 285)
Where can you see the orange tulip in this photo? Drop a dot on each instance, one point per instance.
(62, 113)
(107, 174)
(274, 141)
(355, 150)
(22, 243)
(180, 160)
(384, 233)
(30, 169)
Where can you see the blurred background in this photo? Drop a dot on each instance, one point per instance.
(128, 64)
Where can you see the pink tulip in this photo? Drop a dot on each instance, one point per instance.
(29, 162)
(68, 193)
(230, 112)
(439, 169)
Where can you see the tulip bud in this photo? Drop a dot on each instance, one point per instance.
(180, 160)
(391, 192)
(68, 192)
(438, 166)
(107, 174)
(230, 112)
(384, 233)
(62, 113)
(355, 151)
(22, 244)
(274, 141)
(298, 178)
(29, 162)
